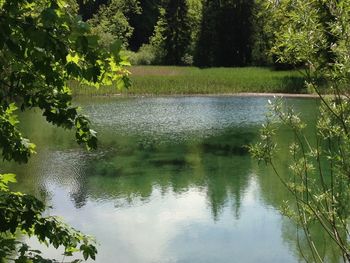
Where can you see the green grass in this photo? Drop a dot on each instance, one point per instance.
(162, 80)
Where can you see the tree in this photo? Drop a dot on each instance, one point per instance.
(88, 8)
(226, 33)
(177, 34)
(144, 23)
(262, 36)
(157, 39)
(42, 46)
(111, 22)
(315, 33)
(161, 42)
(207, 41)
(195, 16)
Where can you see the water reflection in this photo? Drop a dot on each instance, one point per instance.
(171, 182)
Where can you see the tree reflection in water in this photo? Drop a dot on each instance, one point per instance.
(192, 184)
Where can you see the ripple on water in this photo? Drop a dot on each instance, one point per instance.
(177, 118)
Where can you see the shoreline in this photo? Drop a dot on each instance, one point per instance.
(239, 94)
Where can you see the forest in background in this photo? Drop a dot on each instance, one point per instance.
(203, 33)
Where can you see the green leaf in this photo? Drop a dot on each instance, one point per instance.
(13, 47)
(73, 69)
(82, 44)
(49, 16)
(40, 38)
(5, 179)
(115, 47)
(92, 41)
(73, 58)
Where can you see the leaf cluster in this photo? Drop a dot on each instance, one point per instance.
(316, 33)
(41, 48)
(112, 21)
(43, 45)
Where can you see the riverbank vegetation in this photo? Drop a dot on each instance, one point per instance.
(315, 33)
(172, 80)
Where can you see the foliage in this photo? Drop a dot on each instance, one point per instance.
(195, 17)
(316, 33)
(88, 8)
(112, 21)
(206, 33)
(144, 23)
(42, 45)
(207, 42)
(225, 33)
(157, 40)
(177, 33)
(146, 55)
(20, 212)
(262, 35)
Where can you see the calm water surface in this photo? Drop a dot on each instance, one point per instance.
(171, 181)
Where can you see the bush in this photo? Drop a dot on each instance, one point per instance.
(146, 55)
(187, 60)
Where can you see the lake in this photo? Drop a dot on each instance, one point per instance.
(172, 181)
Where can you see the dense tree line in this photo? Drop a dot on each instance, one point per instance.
(225, 34)
(205, 33)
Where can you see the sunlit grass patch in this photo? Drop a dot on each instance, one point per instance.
(171, 80)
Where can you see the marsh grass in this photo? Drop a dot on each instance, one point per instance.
(163, 80)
